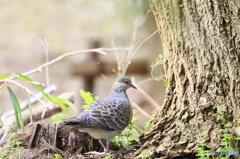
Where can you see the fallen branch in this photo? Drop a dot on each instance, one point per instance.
(36, 113)
(35, 98)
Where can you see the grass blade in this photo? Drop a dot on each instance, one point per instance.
(1, 123)
(29, 105)
(5, 75)
(17, 109)
(28, 102)
(35, 85)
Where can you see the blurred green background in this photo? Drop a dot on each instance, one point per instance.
(69, 25)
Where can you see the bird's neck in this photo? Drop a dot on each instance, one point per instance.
(117, 90)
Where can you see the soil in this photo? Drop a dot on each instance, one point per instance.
(44, 140)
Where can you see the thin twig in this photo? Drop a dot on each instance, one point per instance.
(144, 19)
(4, 81)
(139, 109)
(102, 51)
(99, 50)
(119, 68)
(45, 46)
(145, 81)
(136, 26)
(145, 95)
(128, 63)
(145, 41)
(21, 86)
(46, 50)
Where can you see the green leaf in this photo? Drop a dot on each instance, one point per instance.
(23, 77)
(160, 56)
(58, 117)
(5, 75)
(66, 102)
(58, 102)
(148, 123)
(165, 83)
(88, 98)
(35, 84)
(159, 63)
(238, 120)
(17, 109)
(62, 103)
(29, 105)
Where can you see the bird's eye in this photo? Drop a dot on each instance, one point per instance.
(126, 82)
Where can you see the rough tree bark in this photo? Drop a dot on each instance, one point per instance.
(201, 43)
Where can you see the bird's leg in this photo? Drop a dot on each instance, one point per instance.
(104, 147)
(107, 144)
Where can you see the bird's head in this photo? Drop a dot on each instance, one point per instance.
(124, 83)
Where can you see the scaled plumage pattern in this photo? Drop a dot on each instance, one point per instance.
(106, 117)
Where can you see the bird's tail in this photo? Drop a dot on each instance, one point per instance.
(72, 122)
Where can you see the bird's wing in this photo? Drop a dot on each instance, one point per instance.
(106, 113)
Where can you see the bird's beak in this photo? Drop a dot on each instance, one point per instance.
(133, 86)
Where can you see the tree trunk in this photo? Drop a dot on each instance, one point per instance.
(201, 43)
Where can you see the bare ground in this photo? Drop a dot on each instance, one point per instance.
(44, 140)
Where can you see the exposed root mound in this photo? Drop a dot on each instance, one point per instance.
(44, 140)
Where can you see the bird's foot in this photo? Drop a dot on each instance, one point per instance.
(106, 150)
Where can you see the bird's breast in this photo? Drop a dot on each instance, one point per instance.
(101, 134)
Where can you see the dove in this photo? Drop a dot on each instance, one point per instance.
(106, 117)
